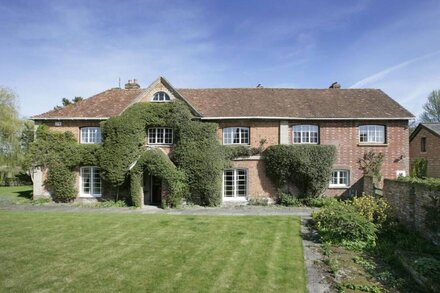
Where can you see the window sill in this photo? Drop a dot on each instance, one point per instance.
(339, 187)
(235, 199)
(372, 144)
(160, 145)
(90, 196)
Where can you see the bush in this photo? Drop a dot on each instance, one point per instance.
(374, 209)
(309, 167)
(288, 200)
(420, 168)
(61, 182)
(323, 201)
(264, 201)
(342, 224)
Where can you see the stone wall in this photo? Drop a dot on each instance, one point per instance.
(408, 203)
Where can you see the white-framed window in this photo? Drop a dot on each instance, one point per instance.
(90, 182)
(340, 178)
(372, 134)
(161, 97)
(90, 135)
(236, 135)
(305, 134)
(235, 183)
(160, 135)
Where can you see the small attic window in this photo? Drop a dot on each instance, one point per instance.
(161, 97)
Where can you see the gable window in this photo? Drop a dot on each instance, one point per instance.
(236, 135)
(372, 134)
(160, 135)
(340, 178)
(423, 144)
(235, 183)
(90, 135)
(305, 134)
(161, 97)
(90, 182)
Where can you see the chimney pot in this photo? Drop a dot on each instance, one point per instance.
(132, 84)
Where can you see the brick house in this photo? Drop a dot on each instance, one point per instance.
(354, 120)
(425, 143)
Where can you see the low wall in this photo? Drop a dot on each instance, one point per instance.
(408, 202)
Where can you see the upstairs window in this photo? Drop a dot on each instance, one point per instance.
(423, 144)
(236, 135)
(372, 134)
(305, 134)
(340, 178)
(90, 135)
(161, 97)
(160, 135)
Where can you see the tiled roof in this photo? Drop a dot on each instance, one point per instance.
(432, 127)
(435, 127)
(251, 102)
(299, 103)
(103, 105)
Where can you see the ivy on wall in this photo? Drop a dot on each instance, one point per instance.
(198, 156)
(308, 167)
(60, 154)
(157, 163)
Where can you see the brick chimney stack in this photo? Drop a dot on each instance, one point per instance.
(132, 84)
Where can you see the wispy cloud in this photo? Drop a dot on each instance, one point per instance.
(383, 73)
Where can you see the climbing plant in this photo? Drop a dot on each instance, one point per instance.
(59, 154)
(197, 155)
(308, 167)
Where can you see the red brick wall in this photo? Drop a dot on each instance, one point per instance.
(259, 185)
(72, 126)
(259, 130)
(344, 135)
(432, 153)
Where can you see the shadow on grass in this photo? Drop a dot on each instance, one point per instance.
(25, 194)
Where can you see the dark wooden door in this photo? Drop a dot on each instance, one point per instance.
(156, 190)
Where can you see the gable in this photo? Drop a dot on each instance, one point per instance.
(433, 128)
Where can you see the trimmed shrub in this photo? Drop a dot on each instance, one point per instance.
(342, 224)
(420, 168)
(308, 167)
(61, 182)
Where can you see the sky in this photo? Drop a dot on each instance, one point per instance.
(55, 49)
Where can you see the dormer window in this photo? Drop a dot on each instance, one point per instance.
(161, 97)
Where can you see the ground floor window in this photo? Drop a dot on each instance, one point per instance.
(90, 181)
(235, 183)
(340, 178)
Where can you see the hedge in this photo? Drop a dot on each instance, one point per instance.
(308, 167)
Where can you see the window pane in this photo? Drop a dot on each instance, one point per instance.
(96, 181)
(245, 135)
(152, 135)
(228, 183)
(372, 133)
(85, 180)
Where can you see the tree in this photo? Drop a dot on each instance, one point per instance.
(67, 102)
(431, 108)
(10, 131)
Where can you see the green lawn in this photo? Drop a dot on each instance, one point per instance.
(55, 251)
(15, 194)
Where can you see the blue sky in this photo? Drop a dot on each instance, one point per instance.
(55, 49)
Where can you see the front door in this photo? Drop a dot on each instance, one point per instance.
(156, 190)
(152, 190)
